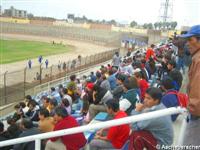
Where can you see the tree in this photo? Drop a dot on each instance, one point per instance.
(145, 26)
(174, 24)
(30, 16)
(150, 26)
(133, 24)
(159, 25)
(112, 22)
(155, 25)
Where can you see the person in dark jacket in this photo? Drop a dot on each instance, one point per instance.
(28, 130)
(169, 99)
(33, 111)
(100, 97)
(175, 74)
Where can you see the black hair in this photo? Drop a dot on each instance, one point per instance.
(167, 83)
(44, 112)
(121, 77)
(17, 106)
(27, 123)
(65, 101)
(173, 63)
(1, 126)
(60, 86)
(32, 102)
(98, 74)
(155, 93)
(65, 90)
(53, 102)
(72, 77)
(53, 89)
(28, 97)
(61, 111)
(22, 104)
(113, 104)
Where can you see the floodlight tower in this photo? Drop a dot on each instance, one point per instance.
(166, 10)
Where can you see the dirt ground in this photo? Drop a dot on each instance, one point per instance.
(81, 48)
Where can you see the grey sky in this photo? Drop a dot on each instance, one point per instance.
(186, 12)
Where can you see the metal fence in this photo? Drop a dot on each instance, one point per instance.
(15, 85)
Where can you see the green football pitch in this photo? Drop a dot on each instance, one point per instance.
(17, 50)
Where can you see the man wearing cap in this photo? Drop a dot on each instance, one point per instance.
(192, 131)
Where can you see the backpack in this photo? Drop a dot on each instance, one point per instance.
(182, 98)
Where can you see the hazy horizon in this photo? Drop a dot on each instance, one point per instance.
(185, 12)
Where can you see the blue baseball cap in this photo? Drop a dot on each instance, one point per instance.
(194, 31)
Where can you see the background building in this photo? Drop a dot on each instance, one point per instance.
(12, 12)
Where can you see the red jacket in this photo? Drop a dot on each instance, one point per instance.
(73, 141)
(143, 87)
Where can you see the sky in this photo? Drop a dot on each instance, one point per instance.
(185, 12)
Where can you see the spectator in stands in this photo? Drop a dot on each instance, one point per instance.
(118, 91)
(27, 99)
(69, 142)
(32, 113)
(143, 84)
(55, 94)
(192, 131)
(129, 98)
(65, 95)
(13, 130)
(18, 113)
(65, 103)
(71, 87)
(150, 52)
(93, 77)
(169, 99)
(175, 74)
(23, 107)
(116, 136)
(99, 78)
(112, 79)
(116, 60)
(52, 105)
(105, 83)
(28, 129)
(2, 133)
(46, 123)
(100, 97)
(46, 103)
(147, 134)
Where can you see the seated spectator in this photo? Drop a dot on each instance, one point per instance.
(112, 79)
(169, 99)
(93, 77)
(129, 98)
(28, 129)
(175, 74)
(55, 95)
(23, 107)
(27, 99)
(118, 91)
(100, 97)
(46, 123)
(99, 78)
(52, 105)
(32, 113)
(66, 105)
(67, 96)
(2, 133)
(105, 83)
(147, 134)
(13, 130)
(18, 113)
(46, 103)
(143, 84)
(116, 135)
(69, 142)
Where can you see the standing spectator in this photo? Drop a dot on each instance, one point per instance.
(192, 131)
(40, 59)
(46, 63)
(71, 87)
(150, 52)
(46, 123)
(55, 94)
(117, 135)
(28, 129)
(64, 66)
(69, 142)
(112, 79)
(29, 63)
(116, 60)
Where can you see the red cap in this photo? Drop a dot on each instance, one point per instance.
(90, 86)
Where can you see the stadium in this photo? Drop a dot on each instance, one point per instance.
(83, 84)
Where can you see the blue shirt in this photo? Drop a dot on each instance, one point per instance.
(113, 82)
